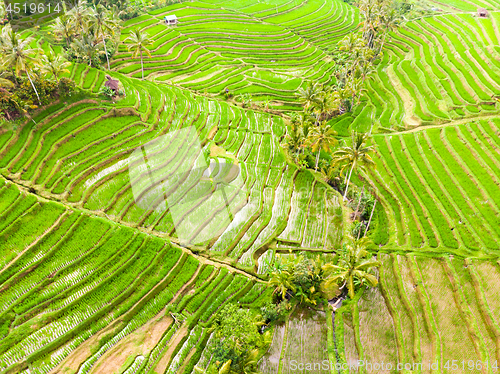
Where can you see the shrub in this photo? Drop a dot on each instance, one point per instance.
(46, 90)
(66, 87)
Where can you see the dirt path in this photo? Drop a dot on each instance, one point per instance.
(71, 363)
(410, 120)
(140, 342)
(162, 365)
(447, 124)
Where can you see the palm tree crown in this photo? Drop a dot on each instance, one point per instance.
(353, 156)
(139, 41)
(322, 137)
(354, 267)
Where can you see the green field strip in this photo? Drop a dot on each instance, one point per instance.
(50, 142)
(495, 20)
(481, 150)
(455, 67)
(466, 159)
(173, 157)
(480, 86)
(435, 211)
(426, 309)
(240, 251)
(377, 332)
(91, 134)
(462, 168)
(316, 221)
(46, 134)
(468, 233)
(442, 56)
(333, 220)
(43, 294)
(465, 311)
(472, 308)
(414, 209)
(392, 310)
(488, 71)
(280, 204)
(398, 217)
(172, 281)
(51, 294)
(409, 310)
(59, 179)
(486, 312)
(301, 198)
(8, 275)
(430, 62)
(22, 206)
(445, 311)
(245, 217)
(19, 233)
(459, 186)
(492, 129)
(24, 255)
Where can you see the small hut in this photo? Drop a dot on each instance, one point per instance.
(171, 19)
(481, 12)
(112, 84)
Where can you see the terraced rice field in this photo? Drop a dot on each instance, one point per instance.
(79, 154)
(70, 224)
(245, 47)
(438, 69)
(440, 188)
(426, 310)
(63, 284)
(302, 338)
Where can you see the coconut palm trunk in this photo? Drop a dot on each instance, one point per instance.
(317, 159)
(348, 181)
(142, 67)
(34, 88)
(371, 215)
(105, 50)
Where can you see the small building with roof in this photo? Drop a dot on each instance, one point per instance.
(481, 12)
(171, 19)
(112, 84)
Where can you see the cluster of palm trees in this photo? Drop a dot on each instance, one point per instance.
(308, 138)
(19, 59)
(85, 30)
(380, 18)
(358, 51)
(308, 281)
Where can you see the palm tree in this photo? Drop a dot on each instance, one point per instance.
(354, 156)
(87, 47)
(63, 28)
(310, 95)
(54, 64)
(353, 268)
(18, 55)
(282, 281)
(139, 42)
(79, 16)
(322, 137)
(104, 25)
(294, 142)
(390, 22)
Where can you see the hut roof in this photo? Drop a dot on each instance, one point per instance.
(171, 17)
(112, 83)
